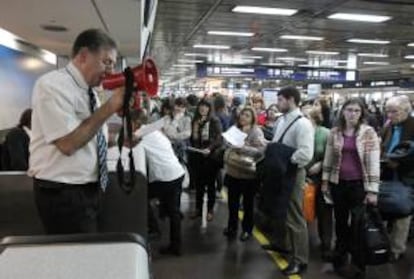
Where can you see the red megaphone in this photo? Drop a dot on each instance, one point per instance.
(145, 77)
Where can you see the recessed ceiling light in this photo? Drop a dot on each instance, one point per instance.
(212, 46)
(267, 49)
(376, 63)
(379, 55)
(359, 17)
(364, 41)
(190, 61)
(298, 37)
(264, 10)
(196, 54)
(320, 52)
(273, 64)
(228, 33)
(292, 59)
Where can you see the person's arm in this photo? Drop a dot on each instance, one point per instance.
(75, 140)
(372, 160)
(17, 150)
(327, 161)
(55, 109)
(305, 143)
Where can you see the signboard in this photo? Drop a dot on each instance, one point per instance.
(264, 72)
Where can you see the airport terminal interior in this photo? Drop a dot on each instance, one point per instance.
(228, 139)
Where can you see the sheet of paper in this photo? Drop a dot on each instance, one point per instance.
(235, 136)
(198, 150)
(148, 129)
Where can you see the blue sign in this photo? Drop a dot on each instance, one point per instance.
(265, 72)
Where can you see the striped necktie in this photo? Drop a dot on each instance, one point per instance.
(102, 146)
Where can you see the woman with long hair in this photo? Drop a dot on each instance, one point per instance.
(205, 136)
(352, 167)
(239, 182)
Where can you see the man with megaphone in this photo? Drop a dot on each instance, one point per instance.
(68, 146)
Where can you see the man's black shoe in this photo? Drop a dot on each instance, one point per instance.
(274, 247)
(294, 269)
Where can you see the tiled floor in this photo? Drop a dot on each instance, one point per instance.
(208, 255)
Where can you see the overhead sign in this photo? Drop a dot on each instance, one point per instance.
(267, 72)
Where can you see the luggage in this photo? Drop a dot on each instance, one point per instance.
(80, 256)
(395, 200)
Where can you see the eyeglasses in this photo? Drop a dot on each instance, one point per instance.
(348, 110)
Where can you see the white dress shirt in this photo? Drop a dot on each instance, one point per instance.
(60, 104)
(153, 153)
(299, 136)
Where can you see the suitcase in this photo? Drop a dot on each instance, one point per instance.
(80, 256)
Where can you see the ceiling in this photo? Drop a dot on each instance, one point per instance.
(182, 23)
(25, 18)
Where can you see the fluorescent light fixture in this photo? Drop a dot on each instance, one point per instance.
(292, 59)
(307, 65)
(298, 37)
(251, 57)
(273, 64)
(8, 39)
(411, 45)
(234, 61)
(340, 61)
(49, 57)
(196, 54)
(364, 41)
(376, 63)
(359, 17)
(211, 46)
(412, 66)
(264, 10)
(409, 57)
(190, 61)
(321, 52)
(377, 55)
(267, 49)
(228, 33)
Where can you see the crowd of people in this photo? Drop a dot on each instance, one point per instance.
(344, 150)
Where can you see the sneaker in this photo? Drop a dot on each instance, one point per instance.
(210, 216)
(245, 236)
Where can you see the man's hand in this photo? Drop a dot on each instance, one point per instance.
(315, 169)
(371, 198)
(117, 99)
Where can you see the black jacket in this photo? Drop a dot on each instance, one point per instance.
(279, 177)
(15, 151)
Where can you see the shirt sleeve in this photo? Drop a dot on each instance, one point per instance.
(305, 143)
(140, 159)
(55, 109)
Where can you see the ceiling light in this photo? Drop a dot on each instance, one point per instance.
(376, 63)
(266, 49)
(264, 10)
(196, 54)
(226, 33)
(364, 41)
(409, 57)
(305, 38)
(251, 57)
(49, 57)
(190, 61)
(234, 61)
(273, 64)
(411, 45)
(359, 17)
(212, 46)
(378, 55)
(292, 59)
(307, 65)
(320, 52)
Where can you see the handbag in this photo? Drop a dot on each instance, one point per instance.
(242, 160)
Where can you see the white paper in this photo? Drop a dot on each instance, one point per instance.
(235, 136)
(148, 129)
(198, 150)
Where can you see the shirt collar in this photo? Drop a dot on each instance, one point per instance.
(77, 76)
(292, 114)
